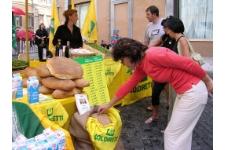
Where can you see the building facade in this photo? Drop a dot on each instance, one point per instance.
(39, 11)
(128, 17)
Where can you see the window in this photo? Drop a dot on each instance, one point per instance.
(48, 20)
(31, 20)
(82, 11)
(197, 17)
(40, 18)
(18, 21)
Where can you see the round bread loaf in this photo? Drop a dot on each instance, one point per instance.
(64, 68)
(43, 71)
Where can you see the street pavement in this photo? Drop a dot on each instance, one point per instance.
(136, 135)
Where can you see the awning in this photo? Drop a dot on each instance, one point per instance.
(17, 11)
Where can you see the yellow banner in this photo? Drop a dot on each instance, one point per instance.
(117, 74)
(53, 110)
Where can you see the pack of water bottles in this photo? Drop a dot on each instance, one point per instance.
(48, 140)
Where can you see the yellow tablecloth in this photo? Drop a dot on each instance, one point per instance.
(67, 103)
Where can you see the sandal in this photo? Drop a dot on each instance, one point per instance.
(150, 120)
(149, 108)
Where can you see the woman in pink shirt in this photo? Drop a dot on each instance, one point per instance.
(189, 80)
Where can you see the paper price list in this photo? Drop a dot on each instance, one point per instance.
(94, 72)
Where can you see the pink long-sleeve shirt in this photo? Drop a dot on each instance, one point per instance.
(163, 65)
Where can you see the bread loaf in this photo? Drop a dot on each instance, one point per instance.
(81, 83)
(63, 94)
(54, 83)
(29, 71)
(45, 90)
(64, 68)
(43, 71)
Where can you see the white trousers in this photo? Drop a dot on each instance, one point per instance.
(187, 110)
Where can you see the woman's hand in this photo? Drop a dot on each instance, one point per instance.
(103, 108)
(209, 86)
(209, 83)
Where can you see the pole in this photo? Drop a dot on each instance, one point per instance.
(69, 4)
(26, 26)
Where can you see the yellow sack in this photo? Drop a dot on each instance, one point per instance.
(105, 137)
(53, 110)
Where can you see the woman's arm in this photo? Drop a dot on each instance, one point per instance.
(184, 47)
(80, 42)
(136, 77)
(166, 58)
(57, 36)
(155, 42)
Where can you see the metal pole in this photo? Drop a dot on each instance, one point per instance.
(26, 25)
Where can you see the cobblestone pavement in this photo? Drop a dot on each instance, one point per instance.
(136, 135)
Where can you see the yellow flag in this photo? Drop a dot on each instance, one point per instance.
(89, 29)
(53, 27)
(72, 4)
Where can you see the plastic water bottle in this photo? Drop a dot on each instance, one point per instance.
(33, 89)
(19, 85)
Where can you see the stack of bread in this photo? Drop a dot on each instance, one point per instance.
(60, 76)
(80, 52)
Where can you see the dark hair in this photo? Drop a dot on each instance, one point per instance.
(126, 47)
(68, 13)
(153, 9)
(40, 25)
(174, 24)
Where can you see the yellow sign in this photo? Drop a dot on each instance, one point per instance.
(53, 110)
(94, 72)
